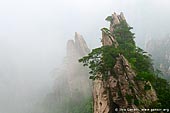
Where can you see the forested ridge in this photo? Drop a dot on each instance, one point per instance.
(102, 60)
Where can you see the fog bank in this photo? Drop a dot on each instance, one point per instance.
(33, 36)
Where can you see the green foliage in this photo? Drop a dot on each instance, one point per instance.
(162, 88)
(123, 30)
(145, 76)
(147, 87)
(119, 93)
(107, 31)
(129, 98)
(136, 102)
(109, 18)
(102, 60)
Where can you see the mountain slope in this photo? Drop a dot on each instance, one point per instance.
(122, 73)
(72, 88)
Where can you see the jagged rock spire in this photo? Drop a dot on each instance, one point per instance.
(109, 39)
(121, 89)
(116, 19)
(72, 83)
(77, 47)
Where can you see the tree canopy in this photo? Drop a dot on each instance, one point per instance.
(102, 60)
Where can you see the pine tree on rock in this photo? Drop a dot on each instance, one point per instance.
(121, 72)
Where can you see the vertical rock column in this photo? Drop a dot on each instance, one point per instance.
(102, 97)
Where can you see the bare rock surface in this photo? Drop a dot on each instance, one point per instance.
(120, 90)
(72, 84)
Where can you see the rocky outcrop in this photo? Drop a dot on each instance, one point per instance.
(72, 86)
(74, 74)
(77, 48)
(120, 90)
(108, 39)
(116, 20)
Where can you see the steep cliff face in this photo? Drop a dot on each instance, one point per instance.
(159, 49)
(77, 48)
(72, 86)
(121, 89)
(74, 76)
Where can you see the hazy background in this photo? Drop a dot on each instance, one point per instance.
(33, 36)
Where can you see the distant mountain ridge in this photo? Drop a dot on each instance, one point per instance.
(71, 86)
(160, 51)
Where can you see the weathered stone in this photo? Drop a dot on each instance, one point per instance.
(77, 48)
(105, 39)
(71, 50)
(115, 19)
(122, 17)
(120, 90)
(81, 45)
(72, 82)
(101, 96)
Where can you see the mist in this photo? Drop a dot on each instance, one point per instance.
(33, 36)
